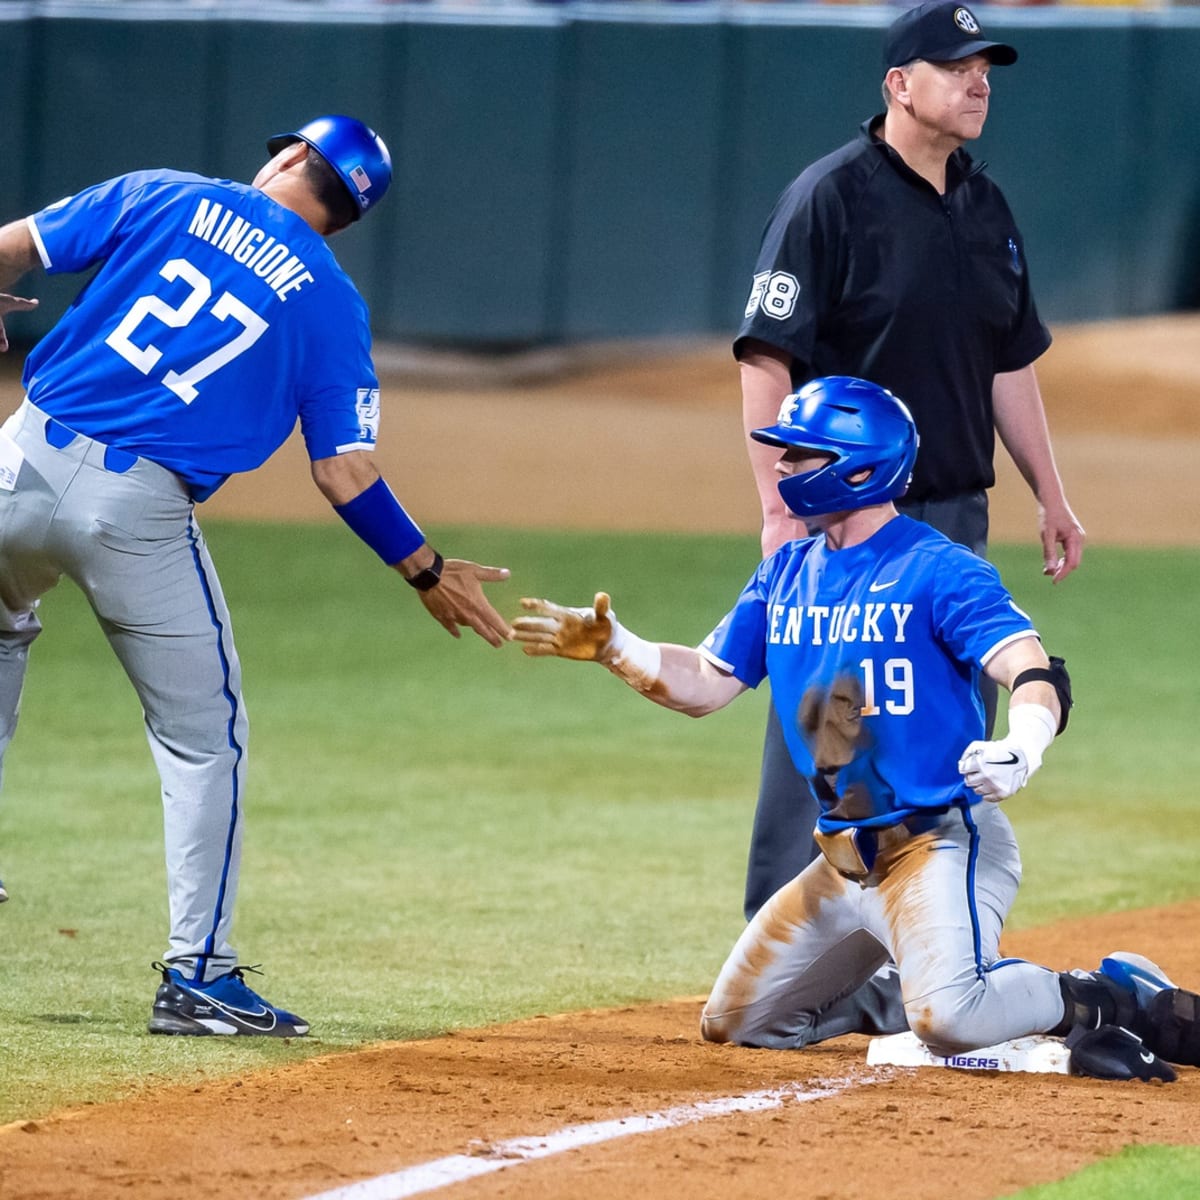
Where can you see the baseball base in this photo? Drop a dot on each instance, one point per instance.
(1037, 1055)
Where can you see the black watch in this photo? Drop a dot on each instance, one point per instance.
(430, 577)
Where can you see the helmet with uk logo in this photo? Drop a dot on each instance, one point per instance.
(868, 433)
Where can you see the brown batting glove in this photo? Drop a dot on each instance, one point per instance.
(589, 635)
(585, 634)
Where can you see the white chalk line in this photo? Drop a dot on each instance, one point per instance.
(499, 1156)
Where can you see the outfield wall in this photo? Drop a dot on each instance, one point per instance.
(588, 171)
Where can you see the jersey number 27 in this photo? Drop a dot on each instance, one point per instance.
(183, 381)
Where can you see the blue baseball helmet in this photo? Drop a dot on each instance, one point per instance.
(356, 152)
(863, 426)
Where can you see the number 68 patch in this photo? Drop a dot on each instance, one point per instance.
(775, 293)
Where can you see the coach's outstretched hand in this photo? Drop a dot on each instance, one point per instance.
(585, 634)
(12, 304)
(458, 599)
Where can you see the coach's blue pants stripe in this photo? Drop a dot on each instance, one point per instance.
(238, 749)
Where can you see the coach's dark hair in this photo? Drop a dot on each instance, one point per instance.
(328, 187)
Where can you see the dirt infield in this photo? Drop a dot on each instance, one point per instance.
(642, 443)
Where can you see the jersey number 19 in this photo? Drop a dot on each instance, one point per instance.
(897, 678)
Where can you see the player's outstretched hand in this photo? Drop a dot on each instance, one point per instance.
(553, 629)
(995, 770)
(12, 304)
(458, 599)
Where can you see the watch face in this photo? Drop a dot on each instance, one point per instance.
(429, 577)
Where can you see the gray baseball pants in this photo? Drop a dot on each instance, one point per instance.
(123, 529)
(935, 905)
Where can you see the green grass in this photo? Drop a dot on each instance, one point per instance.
(1137, 1173)
(443, 834)
(1111, 821)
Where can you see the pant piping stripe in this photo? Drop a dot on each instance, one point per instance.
(239, 750)
(972, 908)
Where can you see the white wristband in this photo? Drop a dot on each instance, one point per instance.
(1031, 728)
(633, 659)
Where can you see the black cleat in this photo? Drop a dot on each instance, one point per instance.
(1111, 1052)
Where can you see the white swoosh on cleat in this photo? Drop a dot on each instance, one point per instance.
(264, 1020)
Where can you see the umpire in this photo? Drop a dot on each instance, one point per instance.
(897, 259)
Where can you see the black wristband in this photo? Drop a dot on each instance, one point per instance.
(430, 577)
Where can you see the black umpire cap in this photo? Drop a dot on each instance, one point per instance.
(940, 32)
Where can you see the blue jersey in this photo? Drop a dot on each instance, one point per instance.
(874, 655)
(217, 317)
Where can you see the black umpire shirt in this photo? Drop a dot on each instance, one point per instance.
(865, 270)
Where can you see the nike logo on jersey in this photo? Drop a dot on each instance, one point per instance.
(882, 587)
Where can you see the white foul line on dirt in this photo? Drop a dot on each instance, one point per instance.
(498, 1156)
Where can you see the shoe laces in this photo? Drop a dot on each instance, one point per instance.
(238, 973)
(232, 988)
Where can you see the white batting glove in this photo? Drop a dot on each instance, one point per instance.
(589, 635)
(995, 770)
(998, 769)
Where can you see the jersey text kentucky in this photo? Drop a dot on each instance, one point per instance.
(837, 623)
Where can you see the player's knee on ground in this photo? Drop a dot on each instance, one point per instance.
(955, 1020)
(716, 1028)
(731, 1026)
(943, 1023)
(767, 1031)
